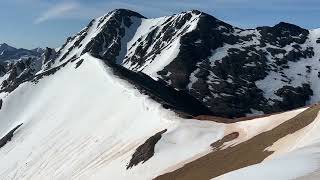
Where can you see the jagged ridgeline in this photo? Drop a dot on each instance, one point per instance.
(224, 70)
(132, 98)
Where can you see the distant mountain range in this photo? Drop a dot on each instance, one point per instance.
(8, 52)
(16, 65)
(185, 96)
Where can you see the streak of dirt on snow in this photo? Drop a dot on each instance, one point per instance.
(251, 128)
(306, 136)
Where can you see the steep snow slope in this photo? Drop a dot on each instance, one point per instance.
(84, 123)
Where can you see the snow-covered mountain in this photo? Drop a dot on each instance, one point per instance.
(226, 68)
(9, 53)
(85, 122)
(136, 98)
(18, 65)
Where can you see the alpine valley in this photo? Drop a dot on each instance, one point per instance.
(186, 96)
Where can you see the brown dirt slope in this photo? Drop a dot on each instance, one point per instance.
(230, 121)
(247, 153)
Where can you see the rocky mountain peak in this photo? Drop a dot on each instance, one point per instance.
(6, 47)
(288, 26)
(224, 67)
(127, 94)
(126, 13)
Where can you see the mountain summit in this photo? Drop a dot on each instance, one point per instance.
(130, 97)
(226, 68)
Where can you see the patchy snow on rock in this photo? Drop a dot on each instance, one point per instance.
(130, 33)
(296, 73)
(168, 53)
(70, 50)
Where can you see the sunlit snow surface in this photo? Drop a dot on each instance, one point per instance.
(85, 123)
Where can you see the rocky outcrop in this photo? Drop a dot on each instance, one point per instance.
(20, 71)
(17, 66)
(48, 57)
(107, 43)
(145, 151)
(5, 139)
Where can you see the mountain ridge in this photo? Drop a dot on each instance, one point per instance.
(136, 98)
(219, 64)
(224, 67)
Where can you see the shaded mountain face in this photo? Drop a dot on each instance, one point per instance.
(18, 65)
(9, 53)
(231, 71)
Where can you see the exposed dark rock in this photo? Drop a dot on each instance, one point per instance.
(218, 144)
(48, 57)
(227, 86)
(308, 69)
(145, 151)
(283, 34)
(293, 97)
(4, 140)
(79, 63)
(179, 101)
(1, 102)
(107, 43)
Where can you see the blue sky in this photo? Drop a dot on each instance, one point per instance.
(41, 23)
